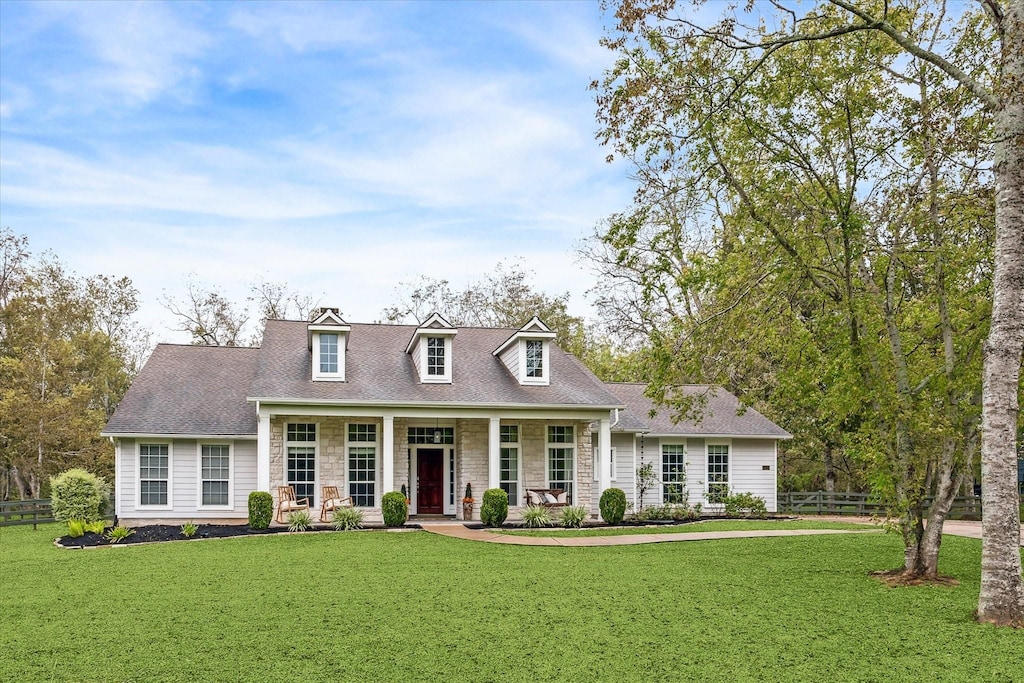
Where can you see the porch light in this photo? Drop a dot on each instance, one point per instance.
(437, 436)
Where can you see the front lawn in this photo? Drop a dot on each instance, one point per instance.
(413, 606)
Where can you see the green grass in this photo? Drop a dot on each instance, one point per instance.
(413, 606)
(712, 525)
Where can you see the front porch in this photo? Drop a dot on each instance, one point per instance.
(433, 458)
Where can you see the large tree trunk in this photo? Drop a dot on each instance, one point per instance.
(1001, 600)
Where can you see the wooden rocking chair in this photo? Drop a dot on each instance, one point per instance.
(332, 501)
(286, 502)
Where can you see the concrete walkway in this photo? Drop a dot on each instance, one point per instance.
(952, 527)
(461, 531)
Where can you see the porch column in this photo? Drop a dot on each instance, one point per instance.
(388, 451)
(494, 453)
(263, 452)
(604, 456)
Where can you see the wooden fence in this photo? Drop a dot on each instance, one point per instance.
(38, 511)
(841, 503)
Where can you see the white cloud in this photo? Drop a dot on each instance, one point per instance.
(306, 26)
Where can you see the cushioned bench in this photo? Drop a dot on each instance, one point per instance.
(547, 498)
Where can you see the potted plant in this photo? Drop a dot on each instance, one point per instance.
(406, 495)
(467, 502)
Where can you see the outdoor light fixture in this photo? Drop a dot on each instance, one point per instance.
(437, 436)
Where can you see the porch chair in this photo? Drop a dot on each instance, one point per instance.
(286, 502)
(332, 501)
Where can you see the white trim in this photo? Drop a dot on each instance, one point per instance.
(316, 457)
(118, 498)
(548, 445)
(545, 378)
(378, 457)
(263, 452)
(319, 376)
(604, 463)
(170, 474)
(199, 475)
(494, 452)
(673, 441)
(731, 454)
(445, 378)
(150, 435)
(387, 438)
(650, 435)
(429, 409)
(323, 317)
(518, 445)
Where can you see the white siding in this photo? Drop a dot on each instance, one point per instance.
(623, 476)
(510, 357)
(749, 457)
(416, 356)
(184, 485)
(648, 450)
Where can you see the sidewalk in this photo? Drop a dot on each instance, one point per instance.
(953, 527)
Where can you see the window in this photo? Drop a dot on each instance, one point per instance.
(718, 472)
(362, 464)
(561, 459)
(215, 475)
(597, 462)
(435, 356)
(300, 467)
(429, 435)
(328, 353)
(154, 473)
(534, 358)
(509, 479)
(673, 473)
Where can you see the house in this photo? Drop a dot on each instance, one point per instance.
(371, 408)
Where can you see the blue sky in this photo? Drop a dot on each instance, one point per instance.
(341, 147)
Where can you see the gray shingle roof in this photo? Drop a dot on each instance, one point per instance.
(190, 390)
(720, 414)
(377, 370)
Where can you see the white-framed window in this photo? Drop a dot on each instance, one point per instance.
(673, 473)
(215, 469)
(329, 356)
(300, 458)
(534, 358)
(718, 471)
(361, 449)
(155, 475)
(435, 356)
(561, 447)
(597, 462)
(510, 462)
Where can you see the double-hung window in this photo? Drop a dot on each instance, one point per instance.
(328, 353)
(673, 472)
(718, 472)
(561, 448)
(300, 446)
(435, 356)
(509, 480)
(215, 475)
(362, 463)
(154, 473)
(534, 358)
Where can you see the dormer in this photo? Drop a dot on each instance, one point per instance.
(527, 353)
(327, 337)
(431, 349)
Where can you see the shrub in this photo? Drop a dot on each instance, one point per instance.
(261, 509)
(573, 516)
(189, 529)
(300, 520)
(744, 505)
(535, 516)
(77, 494)
(118, 534)
(76, 528)
(346, 519)
(394, 508)
(613, 505)
(494, 508)
(96, 527)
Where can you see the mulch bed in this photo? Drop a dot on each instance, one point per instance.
(166, 532)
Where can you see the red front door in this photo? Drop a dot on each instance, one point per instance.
(430, 481)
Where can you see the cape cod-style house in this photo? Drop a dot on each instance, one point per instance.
(371, 408)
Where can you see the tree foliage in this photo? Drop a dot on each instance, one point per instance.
(68, 351)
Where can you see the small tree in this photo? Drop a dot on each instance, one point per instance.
(261, 509)
(613, 505)
(646, 479)
(494, 508)
(394, 509)
(77, 494)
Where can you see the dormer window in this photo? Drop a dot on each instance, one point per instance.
(431, 350)
(534, 358)
(526, 353)
(328, 338)
(435, 356)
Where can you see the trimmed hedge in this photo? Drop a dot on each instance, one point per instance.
(261, 509)
(613, 505)
(77, 494)
(494, 509)
(394, 508)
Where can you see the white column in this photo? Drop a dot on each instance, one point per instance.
(388, 452)
(117, 477)
(263, 453)
(494, 453)
(604, 457)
